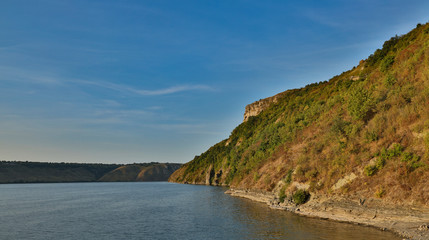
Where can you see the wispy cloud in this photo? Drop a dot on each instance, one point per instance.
(145, 92)
(317, 16)
(24, 75)
(37, 77)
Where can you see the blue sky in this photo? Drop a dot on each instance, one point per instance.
(139, 81)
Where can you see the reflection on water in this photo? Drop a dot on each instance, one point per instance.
(154, 211)
(266, 223)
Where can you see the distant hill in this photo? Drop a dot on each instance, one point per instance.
(42, 172)
(363, 133)
(140, 173)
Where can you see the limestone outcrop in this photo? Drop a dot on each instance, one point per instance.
(257, 107)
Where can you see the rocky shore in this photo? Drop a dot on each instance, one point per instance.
(406, 221)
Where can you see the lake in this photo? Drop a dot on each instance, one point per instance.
(154, 210)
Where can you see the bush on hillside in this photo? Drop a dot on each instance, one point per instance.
(360, 104)
(300, 196)
(390, 80)
(387, 63)
(412, 161)
(282, 194)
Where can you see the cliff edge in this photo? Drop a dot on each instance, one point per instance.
(257, 107)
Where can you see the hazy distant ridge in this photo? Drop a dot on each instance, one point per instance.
(40, 172)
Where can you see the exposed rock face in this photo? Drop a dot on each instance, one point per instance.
(209, 175)
(257, 107)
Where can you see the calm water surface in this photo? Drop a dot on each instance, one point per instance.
(154, 211)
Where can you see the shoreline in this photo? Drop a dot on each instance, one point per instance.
(405, 221)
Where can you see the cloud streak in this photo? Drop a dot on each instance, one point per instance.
(145, 92)
(36, 77)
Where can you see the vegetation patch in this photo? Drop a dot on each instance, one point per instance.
(301, 196)
(370, 170)
(412, 161)
(360, 103)
(390, 80)
(383, 156)
(380, 192)
(282, 194)
(387, 63)
(288, 178)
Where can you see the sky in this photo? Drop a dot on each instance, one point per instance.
(105, 81)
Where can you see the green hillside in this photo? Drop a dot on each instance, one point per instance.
(364, 131)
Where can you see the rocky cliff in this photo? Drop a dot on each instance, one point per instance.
(257, 107)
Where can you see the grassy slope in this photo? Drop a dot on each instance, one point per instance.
(372, 121)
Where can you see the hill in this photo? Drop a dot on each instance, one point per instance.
(362, 136)
(140, 173)
(41, 172)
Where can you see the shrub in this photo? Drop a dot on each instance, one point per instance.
(395, 151)
(360, 103)
(387, 63)
(379, 164)
(370, 170)
(353, 129)
(339, 126)
(282, 194)
(412, 160)
(390, 80)
(389, 45)
(288, 178)
(380, 192)
(407, 157)
(301, 196)
(371, 136)
(256, 176)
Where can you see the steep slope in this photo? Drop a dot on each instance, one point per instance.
(364, 132)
